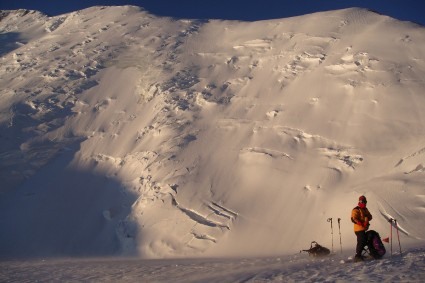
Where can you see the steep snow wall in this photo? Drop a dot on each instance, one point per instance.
(125, 133)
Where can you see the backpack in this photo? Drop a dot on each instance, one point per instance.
(317, 250)
(375, 245)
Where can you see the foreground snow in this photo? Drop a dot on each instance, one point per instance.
(410, 267)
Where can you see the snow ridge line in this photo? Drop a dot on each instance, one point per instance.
(203, 237)
(421, 151)
(270, 152)
(197, 217)
(232, 213)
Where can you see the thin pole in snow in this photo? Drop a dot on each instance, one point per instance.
(398, 235)
(339, 229)
(391, 234)
(332, 233)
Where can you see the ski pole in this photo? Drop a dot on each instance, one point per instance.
(339, 229)
(391, 234)
(398, 235)
(332, 233)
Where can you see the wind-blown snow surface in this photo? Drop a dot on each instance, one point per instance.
(296, 268)
(125, 133)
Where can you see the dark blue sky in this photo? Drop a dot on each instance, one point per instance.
(248, 10)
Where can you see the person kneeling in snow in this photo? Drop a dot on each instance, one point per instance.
(360, 216)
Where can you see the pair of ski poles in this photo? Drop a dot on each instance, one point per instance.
(393, 222)
(332, 233)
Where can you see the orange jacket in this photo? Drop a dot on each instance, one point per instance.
(360, 216)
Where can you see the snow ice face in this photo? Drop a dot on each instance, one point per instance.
(123, 133)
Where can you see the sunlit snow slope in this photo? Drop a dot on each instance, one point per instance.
(127, 133)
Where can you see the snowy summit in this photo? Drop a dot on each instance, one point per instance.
(123, 133)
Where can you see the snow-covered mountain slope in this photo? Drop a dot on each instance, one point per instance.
(126, 133)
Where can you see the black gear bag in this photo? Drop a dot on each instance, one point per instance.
(317, 250)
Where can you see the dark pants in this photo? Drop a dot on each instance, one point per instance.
(361, 242)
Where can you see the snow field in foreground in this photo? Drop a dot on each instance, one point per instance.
(295, 268)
